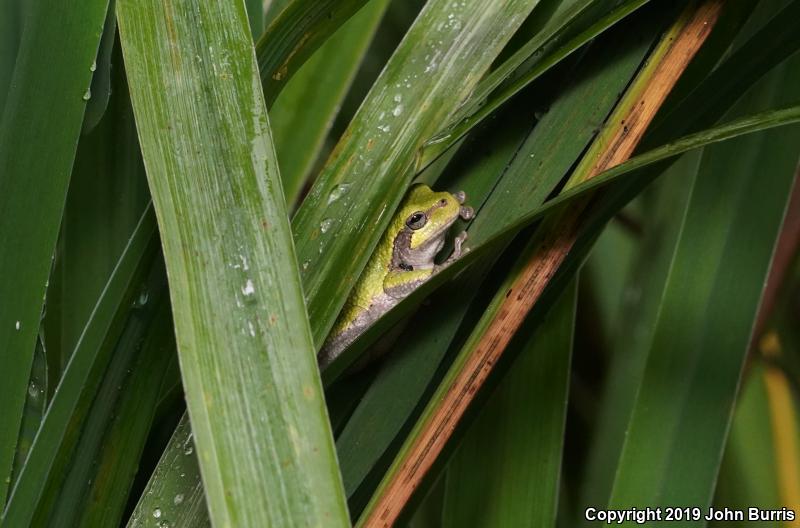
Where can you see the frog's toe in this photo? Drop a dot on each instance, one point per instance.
(461, 196)
(466, 212)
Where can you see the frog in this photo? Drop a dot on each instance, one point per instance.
(403, 260)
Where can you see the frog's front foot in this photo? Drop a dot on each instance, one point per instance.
(457, 248)
(465, 212)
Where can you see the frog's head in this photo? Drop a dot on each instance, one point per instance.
(426, 216)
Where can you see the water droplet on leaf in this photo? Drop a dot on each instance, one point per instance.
(326, 225)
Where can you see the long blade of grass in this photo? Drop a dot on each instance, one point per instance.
(117, 460)
(180, 500)
(661, 220)
(543, 255)
(106, 198)
(46, 94)
(485, 101)
(707, 313)
(749, 469)
(293, 36)
(267, 456)
(303, 114)
(35, 407)
(515, 482)
(440, 60)
(11, 27)
(66, 494)
(77, 386)
(706, 104)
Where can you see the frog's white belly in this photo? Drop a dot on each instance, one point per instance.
(336, 344)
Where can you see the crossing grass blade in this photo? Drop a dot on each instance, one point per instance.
(749, 470)
(35, 406)
(303, 114)
(266, 456)
(116, 460)
(46, 93)
(181, 500)
(661, 219)
(707, 313)
(545, 47)
(77, 387)
(293, 36)
(68, 489)
(106, 198)
(515, 482)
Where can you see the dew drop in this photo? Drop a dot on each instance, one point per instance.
(306, 264)
(178, 499)
(17, 325)
(326, 225)
(93, 67)
(188, 450)
(248, 288)
(142, 299)
(88, 94)
(397, 110)
(157, 513)
(33, 390)
(337, 192)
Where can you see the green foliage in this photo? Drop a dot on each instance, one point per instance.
(158, 359)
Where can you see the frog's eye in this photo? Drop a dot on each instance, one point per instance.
(417, 220)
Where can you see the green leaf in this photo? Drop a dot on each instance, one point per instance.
(492, 93)
(179, 500)
(78, 469)
(434, 69)
(117, 460)
(749, 471)
(35, 406)
(661, 218)
(303, 114)
(506, 470)
(77, 386)
(100, 89)
(236, 296)
(752, 59)
(293, 36)
(255, 13)
(11, 26)
(675, 438)
(106, 198)
(46, 95)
